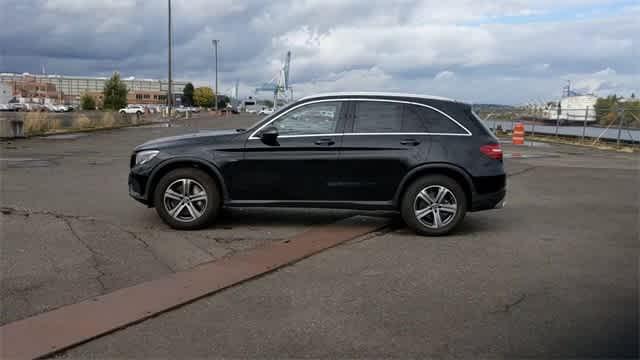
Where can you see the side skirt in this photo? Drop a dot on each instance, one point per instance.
(319, 204)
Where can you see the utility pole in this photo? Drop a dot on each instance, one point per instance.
(215, 94)
(170, 90)
(235, 91)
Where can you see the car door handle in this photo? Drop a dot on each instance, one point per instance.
(327, 142)
(411, 142)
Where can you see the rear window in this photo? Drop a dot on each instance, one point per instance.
(483, 125)
(423, 119)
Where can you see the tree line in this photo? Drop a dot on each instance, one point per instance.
(609, 109)
(202, 96)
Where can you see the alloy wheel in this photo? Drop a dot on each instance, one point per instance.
(435, 206)
(185, 200)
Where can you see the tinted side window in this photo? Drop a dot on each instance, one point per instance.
(422, 119)
(318, 118)
(377, 117)
(412, 120)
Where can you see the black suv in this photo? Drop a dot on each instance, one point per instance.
(429, 158)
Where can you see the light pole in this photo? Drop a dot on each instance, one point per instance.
(170, 90)
(215, 94)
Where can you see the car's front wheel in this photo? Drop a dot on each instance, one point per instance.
(187, 199)
(434, 205)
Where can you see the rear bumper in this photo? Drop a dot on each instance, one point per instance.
(494, 200)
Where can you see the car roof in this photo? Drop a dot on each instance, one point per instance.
(379, 94)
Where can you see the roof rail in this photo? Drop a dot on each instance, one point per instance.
(372, 93)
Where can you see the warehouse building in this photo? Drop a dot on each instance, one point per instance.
(61, 89)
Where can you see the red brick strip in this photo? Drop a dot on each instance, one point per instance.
(59, 329)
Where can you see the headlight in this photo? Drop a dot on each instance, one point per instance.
(144, 156)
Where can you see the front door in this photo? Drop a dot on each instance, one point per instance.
(297, 165)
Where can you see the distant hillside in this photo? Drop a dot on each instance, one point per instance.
(496, 111)
(492, 107)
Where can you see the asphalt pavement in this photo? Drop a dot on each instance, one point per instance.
(554, 274)
(70, 231)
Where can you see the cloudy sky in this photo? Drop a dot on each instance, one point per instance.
(506, 51)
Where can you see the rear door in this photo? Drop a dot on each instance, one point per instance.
(382, 141)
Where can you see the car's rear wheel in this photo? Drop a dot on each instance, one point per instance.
(434, 205)
(187, 199)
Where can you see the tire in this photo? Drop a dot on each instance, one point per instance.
(207, 206)
(450, 209)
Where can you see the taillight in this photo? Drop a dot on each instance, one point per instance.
(493, 151)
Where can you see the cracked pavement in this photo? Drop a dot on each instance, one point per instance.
(71, 232)
(554, 274)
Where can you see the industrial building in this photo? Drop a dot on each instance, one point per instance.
(5, 93)
(573, 108)
(61, 89)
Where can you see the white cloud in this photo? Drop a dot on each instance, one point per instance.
(541, 67)
(605, 72)
(339, 44)
(444, 75)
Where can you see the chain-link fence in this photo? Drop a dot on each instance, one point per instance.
(617, 122)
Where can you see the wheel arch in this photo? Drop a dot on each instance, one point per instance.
(455, 172)
(173, 164)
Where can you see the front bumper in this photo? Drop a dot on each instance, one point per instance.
(137, 186)
(494, 200)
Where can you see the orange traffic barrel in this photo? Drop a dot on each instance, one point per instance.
(518, 134)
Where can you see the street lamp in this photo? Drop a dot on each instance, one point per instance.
(215, 94)
(170, 90)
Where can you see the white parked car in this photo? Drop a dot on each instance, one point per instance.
(266, 111)
(132, 109)
(60, 108)
(51, 107)
(184, 109)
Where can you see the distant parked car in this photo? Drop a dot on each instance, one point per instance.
(17, 107)
(133, 109)
(50, 107)
(61, 108)
(266, 111)
(4, 107)
(232, 109)
(184, 109)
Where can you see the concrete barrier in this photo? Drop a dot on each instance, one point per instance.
(43, 123)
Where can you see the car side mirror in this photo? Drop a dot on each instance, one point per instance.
(269, 135)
